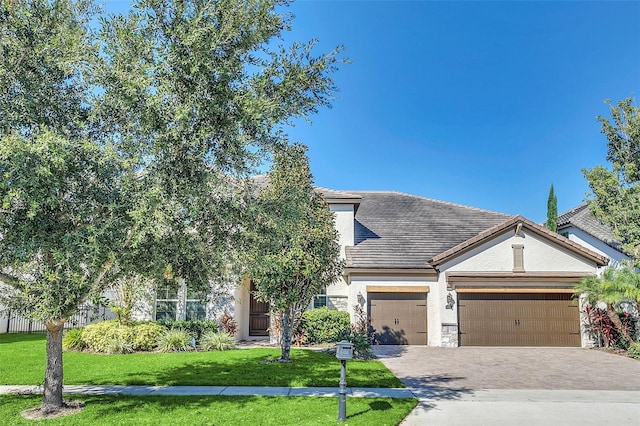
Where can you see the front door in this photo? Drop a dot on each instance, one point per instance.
(258, 315)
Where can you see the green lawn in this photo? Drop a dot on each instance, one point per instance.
(22, 362)
(214, 410)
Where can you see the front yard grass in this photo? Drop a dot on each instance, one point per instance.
(23, 361)
(214, 410)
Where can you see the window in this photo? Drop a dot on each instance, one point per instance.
(195, 307)
(173, 302)
(320, 299)
(166, 302)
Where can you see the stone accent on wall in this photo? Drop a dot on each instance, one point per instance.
(449, 335)
(339, 303)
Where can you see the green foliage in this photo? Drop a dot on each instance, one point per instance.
(359, 334)
(193, 327)
(175, 340)
(121, 149)
(615, 288)
(552, 211)
(112, 337)
(361, 343)
(217, 341)
(634, 350)
(198, 93)
(616, 192)
(128, 292)
(295, 252)
(72, 340)
(119, 344)
(145, 335)
(323, 325)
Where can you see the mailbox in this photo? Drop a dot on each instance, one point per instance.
(344, 350)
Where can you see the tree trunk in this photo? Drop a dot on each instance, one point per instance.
(52, 399)
(615, 319)
(285, 342)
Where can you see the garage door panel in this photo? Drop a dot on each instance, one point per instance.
(399, 318)
(487, 319)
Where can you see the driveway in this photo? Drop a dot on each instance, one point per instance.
(510, 368)
(516, 386)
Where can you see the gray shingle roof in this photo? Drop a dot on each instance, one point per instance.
(396, 230)
(582, 218)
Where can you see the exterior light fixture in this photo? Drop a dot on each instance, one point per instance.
(450, 301)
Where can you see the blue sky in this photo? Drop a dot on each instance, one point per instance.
(479, 103)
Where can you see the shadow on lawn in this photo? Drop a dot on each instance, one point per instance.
(245, 368)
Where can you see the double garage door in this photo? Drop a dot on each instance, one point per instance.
(489, 319)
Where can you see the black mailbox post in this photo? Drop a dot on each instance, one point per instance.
(344, 352)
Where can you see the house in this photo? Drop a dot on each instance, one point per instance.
(581, 225)
(429, 272)
(434, 273)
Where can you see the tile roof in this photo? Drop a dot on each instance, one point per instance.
(402, 231)
(582, 217)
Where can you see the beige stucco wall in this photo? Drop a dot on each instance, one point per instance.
(344, 222)
(586, 240)
(540, 255)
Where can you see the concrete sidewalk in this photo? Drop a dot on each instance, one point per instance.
(215, 390)
(527, 407)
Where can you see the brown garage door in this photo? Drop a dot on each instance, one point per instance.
(399, 318)
(487, 319)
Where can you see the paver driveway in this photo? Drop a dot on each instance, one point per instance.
(468, 368)
(516, 386)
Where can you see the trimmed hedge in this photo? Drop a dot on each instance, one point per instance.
(111, 337)
(323, 325)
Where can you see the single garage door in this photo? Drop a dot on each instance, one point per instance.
(489, 319)
(399, 318)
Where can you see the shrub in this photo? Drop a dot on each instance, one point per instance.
(99, 337)
(323, 325)
(217, 341)
(112, 337)
(175, 340)
(119, 345)
(634, 350)
(72, 339)
(603, 329)
(146, 334)
(360, 334)
(228, 324)
(193, 327)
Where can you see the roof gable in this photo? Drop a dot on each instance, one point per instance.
(516, 223)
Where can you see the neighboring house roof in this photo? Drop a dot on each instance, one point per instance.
(515, 222)
(401, 231)
(582, 217)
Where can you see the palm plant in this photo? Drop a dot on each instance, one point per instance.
(612, 289)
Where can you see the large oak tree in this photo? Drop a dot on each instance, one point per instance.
(122, 151)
